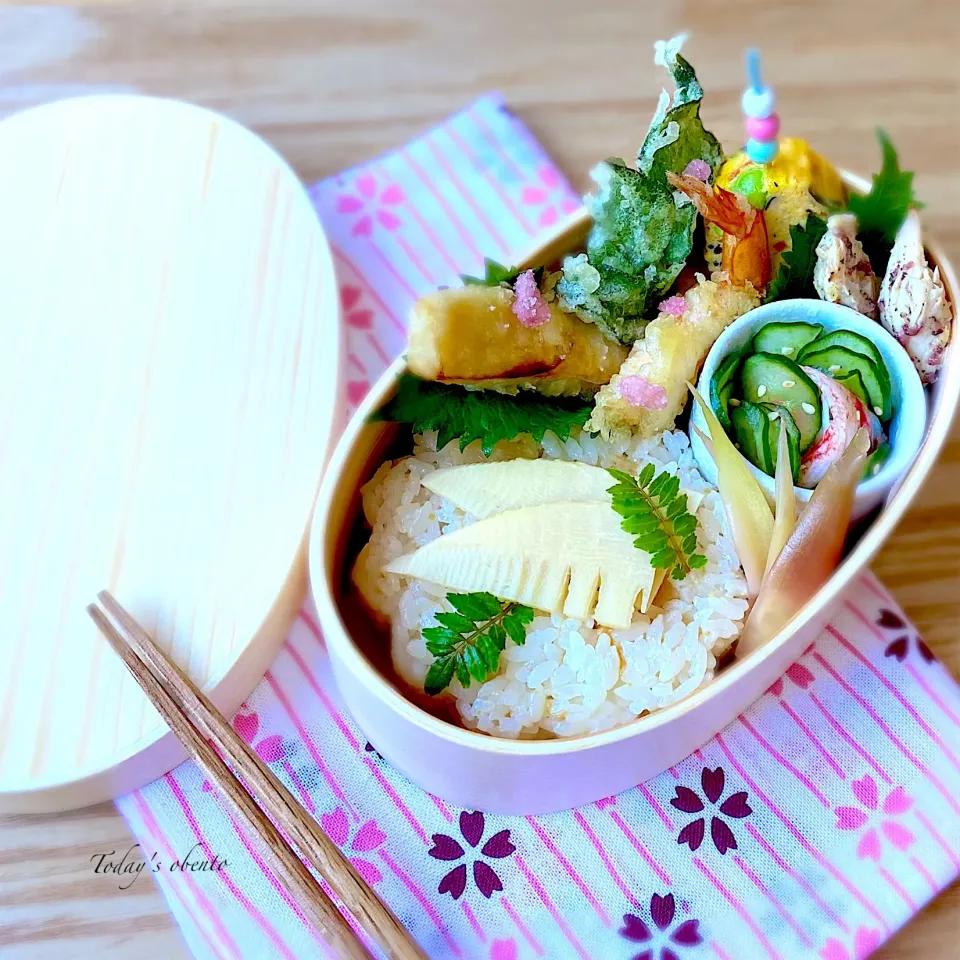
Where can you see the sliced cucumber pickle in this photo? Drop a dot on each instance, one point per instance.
(840, 362)
(775, 414)
(855, 342)
(785, 339)
(721, 388)
(854, 383)
(876, 460)
(751, 434)
(773, 378)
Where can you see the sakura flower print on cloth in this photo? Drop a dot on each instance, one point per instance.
(814, 826)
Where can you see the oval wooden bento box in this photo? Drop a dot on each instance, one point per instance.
(529, 777)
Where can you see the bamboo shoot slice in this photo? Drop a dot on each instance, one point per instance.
(569, 558)
(486, 489)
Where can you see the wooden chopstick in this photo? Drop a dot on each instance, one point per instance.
(208, 736)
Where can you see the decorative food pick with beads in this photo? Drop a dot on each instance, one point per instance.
(759, 107)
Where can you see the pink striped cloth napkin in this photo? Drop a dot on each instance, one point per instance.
(815, 825)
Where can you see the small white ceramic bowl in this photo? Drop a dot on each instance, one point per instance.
(909, 400)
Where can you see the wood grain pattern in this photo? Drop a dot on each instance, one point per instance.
(168, 384)
(334, 83)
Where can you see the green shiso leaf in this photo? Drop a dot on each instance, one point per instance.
(483, 415)
(473, 653)
(882, 211)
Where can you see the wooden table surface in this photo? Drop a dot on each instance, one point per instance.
(337, 81)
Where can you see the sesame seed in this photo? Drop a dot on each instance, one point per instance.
(878, 411)
(876, 469)
(761, 390)
(808, 408)
(772, 415)
(787, 351)
(834, 368)
(787, 384)
(734, 402)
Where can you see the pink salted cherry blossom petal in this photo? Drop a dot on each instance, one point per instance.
(336, 826)
(869, 846)
(699, 169)
(639, 392)
(897, 834)
(865, 790)
(348, 204)
(898, 801)
(389, 220)
(528, 304)
(393, 194)
(850, 818)
(367, 184)
(533, 195)
(865, 942)
(675, 306)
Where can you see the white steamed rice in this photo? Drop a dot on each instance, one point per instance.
(570, 677)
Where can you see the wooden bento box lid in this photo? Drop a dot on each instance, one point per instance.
(169, 370)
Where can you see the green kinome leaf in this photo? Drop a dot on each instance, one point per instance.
(882, 211)
(481, 414)
(795, 276)
(655, 513)
(469, 641)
